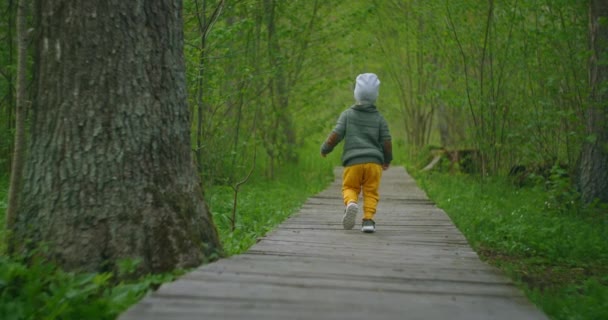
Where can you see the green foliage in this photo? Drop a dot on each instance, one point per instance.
(540, 236)
(32, 288)
(271, 94)
(505, 78)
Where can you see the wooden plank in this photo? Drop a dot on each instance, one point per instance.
(416, 266)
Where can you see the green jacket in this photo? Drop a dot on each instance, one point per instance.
(366, 136)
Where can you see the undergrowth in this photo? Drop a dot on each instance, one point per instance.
(540, 236)
(31, 288)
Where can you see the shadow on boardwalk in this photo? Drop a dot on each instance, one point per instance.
(416, 266)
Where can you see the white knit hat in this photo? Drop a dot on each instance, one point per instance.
(366, 88)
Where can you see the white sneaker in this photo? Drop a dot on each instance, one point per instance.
(350, 214)
(368, 226)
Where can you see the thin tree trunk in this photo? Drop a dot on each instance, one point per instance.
(110, 173)
(9, 75)
(201, 17)
(18, 153)
(593, 180)
(286, 139)
(204, 26)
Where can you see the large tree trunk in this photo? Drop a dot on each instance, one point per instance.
(110, 173)
(593, 180)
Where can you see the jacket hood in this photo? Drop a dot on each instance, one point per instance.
(365, 108)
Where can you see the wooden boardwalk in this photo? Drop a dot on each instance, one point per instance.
(416, 266)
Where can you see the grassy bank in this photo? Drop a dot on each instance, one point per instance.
(261, 206)
(554, 250)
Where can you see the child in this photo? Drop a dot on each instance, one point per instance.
(367, 151)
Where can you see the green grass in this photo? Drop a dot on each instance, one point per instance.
(262, 205)
(553, 249)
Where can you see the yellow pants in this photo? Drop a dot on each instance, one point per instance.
(364, 176)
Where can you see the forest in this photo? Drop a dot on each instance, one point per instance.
(125, 124)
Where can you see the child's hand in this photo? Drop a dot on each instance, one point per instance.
(385, 166)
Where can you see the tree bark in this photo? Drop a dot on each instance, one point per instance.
(110, 173)
(593, 179)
